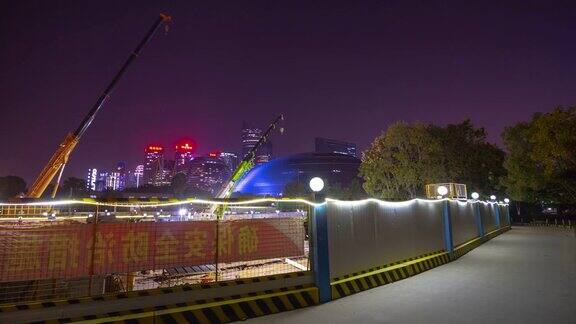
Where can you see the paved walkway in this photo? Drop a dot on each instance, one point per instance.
(527, 275)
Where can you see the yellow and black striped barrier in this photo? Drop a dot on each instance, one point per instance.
(217, 310)
(367, 280)
(149, 292)
(474, 243)
(378, 276)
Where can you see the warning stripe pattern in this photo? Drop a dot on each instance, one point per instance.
(150, 292)
(360, 281)
(474, 243)
(384, 266)
(352, 285)
(211, 311)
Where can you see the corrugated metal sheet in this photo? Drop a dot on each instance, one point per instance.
(368, 234)
(503, 215)
(488, 216)
(464, 226)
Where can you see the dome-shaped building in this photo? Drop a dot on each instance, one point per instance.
(271, 178)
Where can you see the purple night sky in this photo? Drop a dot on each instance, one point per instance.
(344, 71)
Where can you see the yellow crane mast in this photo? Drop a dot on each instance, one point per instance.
(59, 159)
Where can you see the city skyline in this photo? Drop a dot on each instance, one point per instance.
(342, 71)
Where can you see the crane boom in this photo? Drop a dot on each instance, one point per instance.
(245, 165)
(59, 159)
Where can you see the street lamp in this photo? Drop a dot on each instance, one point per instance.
(506, 200)
(316, 184)
(492, 197)
(475, 195)
(442, 190)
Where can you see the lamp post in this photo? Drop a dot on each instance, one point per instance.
(319, 239)
(442, 191)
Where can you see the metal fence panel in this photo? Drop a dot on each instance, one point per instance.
(363, 235)
(463, 220)
(488, 217)
(503, 215)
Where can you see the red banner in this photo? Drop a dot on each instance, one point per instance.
(70, 250)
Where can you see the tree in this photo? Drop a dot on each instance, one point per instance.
(72, 187)
(468, 158)
(405, 158)
(541, 161)
(179, 185)
(11, 186)
(401, 161)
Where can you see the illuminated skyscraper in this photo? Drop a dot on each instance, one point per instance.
(184, 150)
(154, 165)
(230, 159)
(250, 137)
(208, 173)
(138, 173)
(91, 179)
(116, 179)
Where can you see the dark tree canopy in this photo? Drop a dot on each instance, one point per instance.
(541, 161)
(11, 186)
(179, 185)
(73, 187)
(405, 158)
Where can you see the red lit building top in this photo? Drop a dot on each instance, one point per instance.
(154, 148)
(185, 146)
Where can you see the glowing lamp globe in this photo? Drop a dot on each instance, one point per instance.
(493, 197)
(316, 184)
(442, 190)
(506, 200)
(475, 195)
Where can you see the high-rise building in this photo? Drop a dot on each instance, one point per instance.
(325, 145)
(230, 159)
(167, 173)
(91, 179)
(208, 174)
(116, 180)
(102, 180)
(138, 174)
(250, 137)
(153, 164)
(183, 155)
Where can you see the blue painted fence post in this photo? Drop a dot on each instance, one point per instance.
(508, 215)
(321, 261)
(478, 218)
(497, 214)
(449, 245)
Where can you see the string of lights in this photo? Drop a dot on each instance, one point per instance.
(196, 201)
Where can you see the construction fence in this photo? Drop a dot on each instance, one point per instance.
(77, 250)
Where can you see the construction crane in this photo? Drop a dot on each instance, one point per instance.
(59, 159)
(246, 164)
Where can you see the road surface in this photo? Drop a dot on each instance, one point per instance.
(527, 275)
